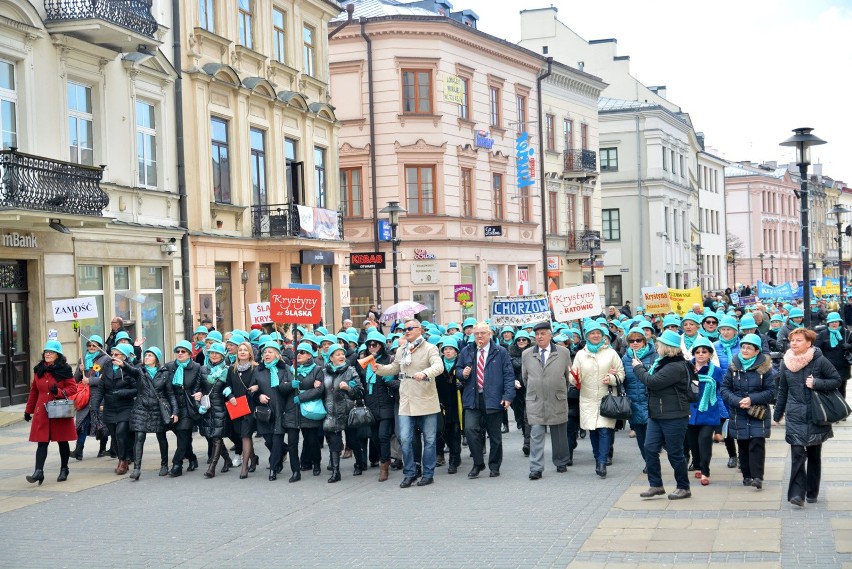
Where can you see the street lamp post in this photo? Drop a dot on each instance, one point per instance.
(772, 270)
(698, 248)
(394, 210)
(593, 243)
(761, 257)
(802, 141)
(838, 211)
(732, 259)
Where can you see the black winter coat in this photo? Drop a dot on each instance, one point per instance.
(794, 400)
(146, 416)
(306, 391)
(193, 375)
(758, 383)
(216, 422)
(837, 354)
(449, 388)
(666, 388)
(338, 402)
(116, 392)
(381, 400)
(276, 395)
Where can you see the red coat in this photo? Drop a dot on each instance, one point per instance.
(42, 429)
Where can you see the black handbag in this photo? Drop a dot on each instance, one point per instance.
(191, 406)
(616, 405)
(828, 407)
(360, 416)
(263, 413)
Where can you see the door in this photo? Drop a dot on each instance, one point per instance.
(14, 334)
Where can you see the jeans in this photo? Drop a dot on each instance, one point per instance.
(640, 431)
(83, 431)
(601, 439)
(381, 432)
(428, 425)
(668, 433)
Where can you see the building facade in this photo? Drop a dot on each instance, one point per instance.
(88, 187)
(710, 246)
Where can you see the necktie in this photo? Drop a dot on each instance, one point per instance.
(480, 370)
(543, 357)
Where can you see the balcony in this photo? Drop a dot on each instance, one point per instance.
(576, 243)
(580, 162)
(283, 220)
(37, 183)
(122, 25)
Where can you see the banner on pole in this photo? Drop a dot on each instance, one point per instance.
(259, 313)
(74, 309)
(519, 310)
(656, 300)
(682, 299)
(576, 302)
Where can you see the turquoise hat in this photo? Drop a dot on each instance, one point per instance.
(433, 339)
(201, 330)
(271, 344)
(670, 338)
(236, 339)
(671, 320)
(255, 334)
(590, 327)
(218, 348)
(276, 336)
(796, 313)
(157, 353)
(747, 322)
(833, 317)
(183, 344)
(507, 329)
(376, 336)
(752, 339)
(53, 346)
(362, 348)
(693, 317)
(636, 330)
(776, 318)
(522, 334)
(343, 336)
(312, 339)
(560, 338)
(640, 310)
(321, 331)
(701, 342)
(335, 348)
(302, 330)
(394, 345)
(469, 339)
(328, 338)
(469, 321)
(452, 325)
(729, 322)
(449, 342)
(125, 349)
(306, 347)
(96, 339)
(263, 338)
(645, 325)
(122, 336)
(214, 335)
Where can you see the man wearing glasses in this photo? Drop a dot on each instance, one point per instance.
(417, 363)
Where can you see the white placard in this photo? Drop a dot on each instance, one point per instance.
(576, 302)
(74, 309)
(259, 313)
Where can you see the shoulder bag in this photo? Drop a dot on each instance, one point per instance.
(313, 410)
(263, 413)
(360, 416)
(191, 406)
(616, 405)
(61, 408)
(828, 407)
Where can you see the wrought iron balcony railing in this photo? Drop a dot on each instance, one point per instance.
(134, 15)
(38, 183)
(283, 220)
(581, 161)
(576, 243)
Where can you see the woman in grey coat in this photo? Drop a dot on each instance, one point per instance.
(803, 371)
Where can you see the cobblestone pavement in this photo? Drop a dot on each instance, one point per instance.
(98, 519)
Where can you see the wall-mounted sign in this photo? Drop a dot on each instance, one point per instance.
(493, 230)
(15, 239)
(425, 272)
(553, 265)
(453, 89)
(463, 294)
(525, 161)
(423, 254)
(384, 230)
(367, 261)
(482, 140)
(317, 257)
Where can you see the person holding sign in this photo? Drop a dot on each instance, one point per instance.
(185, 376)
(88, 370)
(239, 378)
(154, 395)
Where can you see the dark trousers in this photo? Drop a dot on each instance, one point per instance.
(311, 454)
(293, 448)
(275, 444)
(380, 432)
(335, 442)
(83, 431)
(120, 433)
(356, 439)
(752, 457)
(452, 436)
(139, 446)
(701, 446)
(640, 431)
(476, 424)
(41, 454)
(184, 447)
(805, 472)
(668, 434)
(573, 426)
(519, 409)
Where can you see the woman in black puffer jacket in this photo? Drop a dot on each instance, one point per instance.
(749, 381)
(803, 371)
(215, 424)
(342, 387)
(267, 387)
(519, 409)
(113, 397)
(152, 387)
(306, 386)
(834, 343)
(185, 376)
(379, 399)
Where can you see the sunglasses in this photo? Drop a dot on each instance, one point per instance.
(636, 341)
(92, 346)
(181, 352)
(711, 322)
(303, 352)
(702, 351)
(374, 344)
(410, 328)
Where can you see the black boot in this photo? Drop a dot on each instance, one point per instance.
(137, 461)
(177, 470)
(296, 476)
(193, 464)
(164, 461)
(63, 474)
(37, 476)
(570, 458)
(217, 452)
(600, 469)
(227, 458)
(77, 453)
(358, 470)
(335, 467)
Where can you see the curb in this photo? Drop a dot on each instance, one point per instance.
(9, 419)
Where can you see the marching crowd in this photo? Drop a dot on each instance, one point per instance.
(412, 399)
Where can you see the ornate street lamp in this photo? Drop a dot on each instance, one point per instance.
(838, 211)
(394, 210)
(761, 257)
(593, 244)
(772, 270)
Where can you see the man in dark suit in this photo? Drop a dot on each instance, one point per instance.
(485, 370)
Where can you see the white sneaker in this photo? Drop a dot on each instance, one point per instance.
(237, 460)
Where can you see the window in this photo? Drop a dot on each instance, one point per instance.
(80, 124)
(257, 165)
(587, 212)
(121, 288)
(420, 189)
(146, 144)
(223, 296)
(673, 162)
(244, 18)
(682, 170)
(521, 103)
(309, 50)
(568, 133)
(572, 213)
(676, 230)
(524, 204)
(609, 159)
(613, 288)
(685, 225)
(584, 136)
(90, 281)
(221, 163)
(464, 108)
(494, 105)
(467, 192)
(152, 315)
(350, 191)
(552, 213)
(666, 222)
(294, 173)
(665, 159)
(319, 176)
(8, 106)
(611, 224)
(206, 15)
(497, 198)
(279, 35)
(417, 91)
(550, 135)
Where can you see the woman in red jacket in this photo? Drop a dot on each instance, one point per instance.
(53, 379)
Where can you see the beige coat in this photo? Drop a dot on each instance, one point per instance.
(416, 398)
(592, 368)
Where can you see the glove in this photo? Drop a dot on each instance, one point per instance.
(353, 384)
(53, 389)
(28, 417)
(387, 378)
(847, 347)
(296, 384)
(296, 399)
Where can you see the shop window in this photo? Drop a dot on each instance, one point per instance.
(612, 290)
(152, 313)
(224, 297)
(90, 282)
(8, 106)
(429, 299)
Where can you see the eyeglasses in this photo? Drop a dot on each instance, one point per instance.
(702, 351)
(636, 341)
(711, 322)
(92, 346)
(181, 351)
(410, 328)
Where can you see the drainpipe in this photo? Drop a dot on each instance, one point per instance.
(181, 172)
(538, 83)
(641, 244)
(350, 9)
(373, 183)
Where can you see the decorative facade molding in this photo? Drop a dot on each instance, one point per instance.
(419, 147)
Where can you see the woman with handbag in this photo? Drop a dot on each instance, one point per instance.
(342, 387)
(596, 368)
(379, 399)
(239, 379)
(113, 397)
(186, 376)
(747, 390)
(214, 423)
(706, 414)
(834, 343)
(304, 410)
(726, 348)
(89, 367)
(268, 381)
(154, 409)
(804, 371)
(52, 380)
(668, 414)
(639, 348)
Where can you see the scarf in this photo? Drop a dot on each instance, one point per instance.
(335, 369)
(712, 336)
(273, 372)
(231, 359)
(217, 373)
(406, 357)
(152, 370)
(177, 378)
(834, 337)
(654, 366)
(448, 364)
(728, 344)
(115, 369)
(747, 362)
(200, 345)
(795, 363)
(593, 348)
(243, 366)
(370, 376)
(640, 354)
(89, 359)
(708, 397)
(304, 369)
(688, 341)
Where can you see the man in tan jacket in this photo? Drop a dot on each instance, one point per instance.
(417, 363)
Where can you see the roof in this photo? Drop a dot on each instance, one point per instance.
(610, 105)
(378, 8)
(735, 170)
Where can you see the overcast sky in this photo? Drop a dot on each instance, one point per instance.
(747, 71)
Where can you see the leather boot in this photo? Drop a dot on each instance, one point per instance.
(335, 467)
(177, 470)
(37, 476)
(227, 466)
(570, 458)
(383, 471)
(217, 452)
(137, 461)
(122, 468)
(63, 474)
(600, 469)
(77, 453)
(164, 461)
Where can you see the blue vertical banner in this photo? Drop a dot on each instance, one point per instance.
(384, 230)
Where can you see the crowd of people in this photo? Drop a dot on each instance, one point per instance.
(412, 399)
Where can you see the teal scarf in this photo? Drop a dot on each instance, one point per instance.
(593, 348)
(217, 373)
(115, 369)
(231, 359)
(177, 378)
(640, 354)
(834, 337)
(708, 397)
(448, 364)
(688, 341)
(303, 370)
(747, 363)
(712, 336)
(200, 345)
(273, 372)
(371, 379)
(654, 366)
(728, 344)
(89, 359)
(335, 368)
(152, 370)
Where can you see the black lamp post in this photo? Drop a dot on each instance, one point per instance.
(698, 249)
(838, 211)
(394, 210)
(593, 243)
(772, 270)
(732, 259)
(802, 141)
(761, 257)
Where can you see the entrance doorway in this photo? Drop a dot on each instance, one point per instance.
(14, 334)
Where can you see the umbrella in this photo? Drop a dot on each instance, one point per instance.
(402, 310)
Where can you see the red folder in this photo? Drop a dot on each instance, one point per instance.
(241, 409)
